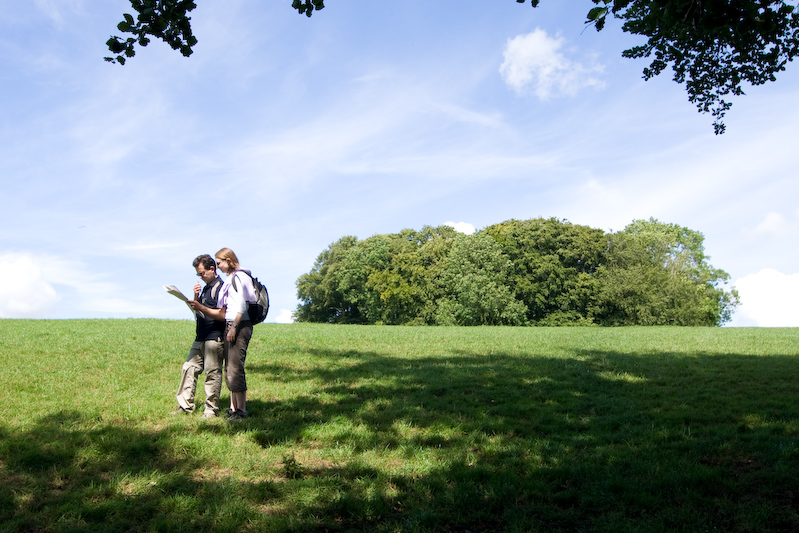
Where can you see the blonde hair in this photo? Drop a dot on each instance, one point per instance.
(227, 253)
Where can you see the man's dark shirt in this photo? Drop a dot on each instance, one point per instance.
(207, 328)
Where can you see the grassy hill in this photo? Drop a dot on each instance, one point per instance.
(403, 429)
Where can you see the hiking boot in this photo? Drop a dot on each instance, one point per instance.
(238, 414)
(208, 414)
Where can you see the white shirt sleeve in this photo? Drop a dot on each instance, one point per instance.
(238, 297)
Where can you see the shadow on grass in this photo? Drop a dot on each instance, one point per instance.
(70, 473)
(601, 441)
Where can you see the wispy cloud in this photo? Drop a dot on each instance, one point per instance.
(775, 225)
(54, 9)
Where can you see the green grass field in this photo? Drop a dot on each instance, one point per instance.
(357, 428)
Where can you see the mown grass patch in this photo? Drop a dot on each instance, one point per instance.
(403, 429)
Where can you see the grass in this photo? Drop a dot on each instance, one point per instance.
(403, 429)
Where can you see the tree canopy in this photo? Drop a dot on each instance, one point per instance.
(519, 272)
(713, 47)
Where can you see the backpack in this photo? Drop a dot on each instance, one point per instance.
(260, 307)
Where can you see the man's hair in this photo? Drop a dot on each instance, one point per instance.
(206, 260)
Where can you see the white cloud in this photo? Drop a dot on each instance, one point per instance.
(28, 295)
(462, 227)
(534, 61)
(48, 286)
(775, 225)
(284, 317)
(768, 299)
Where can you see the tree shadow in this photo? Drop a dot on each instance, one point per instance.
(68, 472)
(602, 440)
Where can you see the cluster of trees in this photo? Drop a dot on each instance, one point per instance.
(712, 47)
(519, 272)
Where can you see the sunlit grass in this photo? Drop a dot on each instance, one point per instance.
(403, 429)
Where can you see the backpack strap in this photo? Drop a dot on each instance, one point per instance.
(234, 280)
(215, 289)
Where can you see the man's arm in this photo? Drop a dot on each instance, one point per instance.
(215, 314)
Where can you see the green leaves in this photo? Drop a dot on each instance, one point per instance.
(307, 6)
(540, 271)
(713, 48)
(597, 17)
(657, 274)
(167, 20)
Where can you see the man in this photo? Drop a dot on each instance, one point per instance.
(207, 350)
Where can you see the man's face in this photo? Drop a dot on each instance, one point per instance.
(206, 275)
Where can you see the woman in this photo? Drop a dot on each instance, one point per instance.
(235, 294)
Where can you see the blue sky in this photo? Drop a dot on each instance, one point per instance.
(282, 134)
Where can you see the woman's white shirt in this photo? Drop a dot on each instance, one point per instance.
(235, 299)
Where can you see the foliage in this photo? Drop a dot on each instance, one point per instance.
(657, 274)
(385, 279)
(411, 430)
(553, 266)
(539, 271)
(476, 285)
(713, 47)
(321, 288)
(167, 20)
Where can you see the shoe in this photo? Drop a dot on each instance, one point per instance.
(181, 411)
(209, 414)
(229, 412)
(238, 414)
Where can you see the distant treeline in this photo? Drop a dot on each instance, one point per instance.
(519, 272)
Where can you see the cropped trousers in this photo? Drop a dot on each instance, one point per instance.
(235, 378)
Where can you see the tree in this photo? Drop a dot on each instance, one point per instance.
(475, 281)
(540, 272)
(658, 274)
(320, 290)
(553, 266)
(385, 279)
(409, 285)
(713, 47)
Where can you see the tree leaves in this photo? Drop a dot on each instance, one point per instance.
(714, 48)
(307, 6)
(167, 20)
(540, 271)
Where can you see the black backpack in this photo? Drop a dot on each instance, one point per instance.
(260, 307)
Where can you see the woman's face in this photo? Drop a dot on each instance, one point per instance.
(223, 265)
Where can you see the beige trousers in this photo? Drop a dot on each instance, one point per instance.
(208, 356)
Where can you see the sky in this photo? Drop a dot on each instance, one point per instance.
(281, 134)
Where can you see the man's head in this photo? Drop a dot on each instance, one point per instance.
(205, 267)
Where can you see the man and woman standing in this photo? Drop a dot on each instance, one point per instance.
(224, 331)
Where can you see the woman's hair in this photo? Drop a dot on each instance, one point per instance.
(227, 253)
